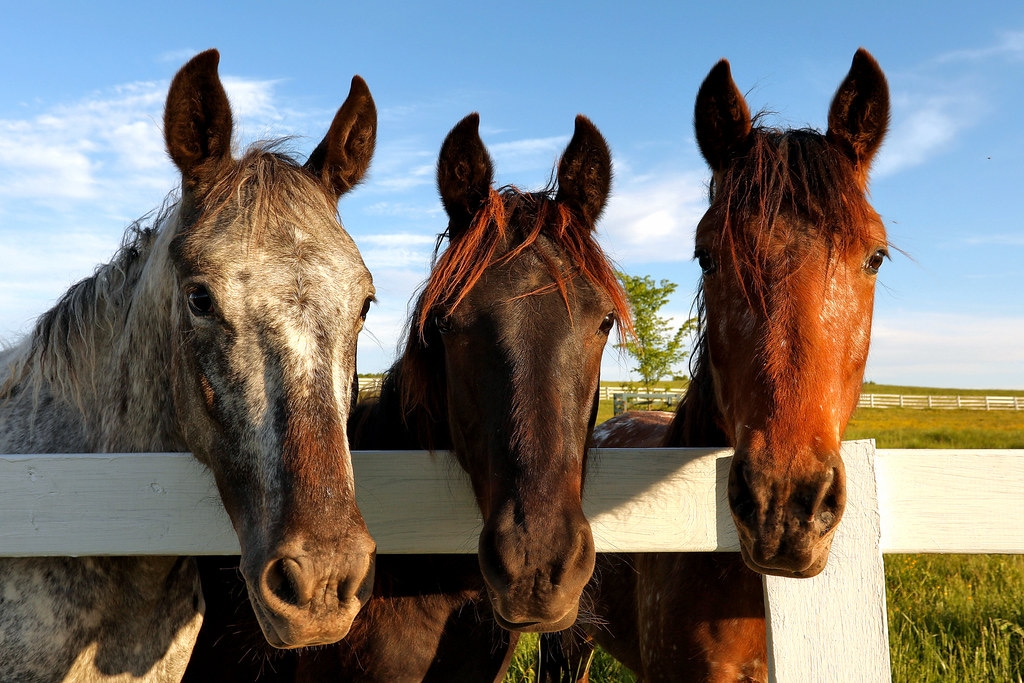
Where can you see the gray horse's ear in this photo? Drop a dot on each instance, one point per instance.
(464, 174)
(859, 115)
(585, 171)
(721, 118)
(197, 119)
(342, 158)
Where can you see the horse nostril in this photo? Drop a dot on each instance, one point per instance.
(285, 579)
(741, 495)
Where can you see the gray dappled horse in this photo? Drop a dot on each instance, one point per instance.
(226, 328)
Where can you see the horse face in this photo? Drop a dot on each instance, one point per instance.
(523, 371)
(523, 323)
(272, 295)
(789, 249)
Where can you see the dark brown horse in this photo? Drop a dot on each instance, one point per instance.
(500, 368)
(789, 251)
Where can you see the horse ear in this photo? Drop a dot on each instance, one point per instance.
(721, 118)
(464, 174)
(197, 119)
(342, 158)
(585, 171)
(859, 115)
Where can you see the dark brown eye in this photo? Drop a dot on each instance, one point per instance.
(607, 324)
(366, 308)
(442, 324)
(200, 303)
(705, 260)
(874, 261)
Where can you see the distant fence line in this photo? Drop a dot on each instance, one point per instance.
(669, 396)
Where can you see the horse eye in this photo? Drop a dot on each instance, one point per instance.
(874, 261)
(200, 303)
(607, 324)
(704, 259)
(366, 308)
(443, 324)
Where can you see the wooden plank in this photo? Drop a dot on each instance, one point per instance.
(963, 501)
(166, 503)
(654, 500)
(659, 500)
(832, 627)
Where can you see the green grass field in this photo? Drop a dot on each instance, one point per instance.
(951, 617)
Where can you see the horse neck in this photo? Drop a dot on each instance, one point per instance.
(106, 350)
(697, 422)
(384, 423)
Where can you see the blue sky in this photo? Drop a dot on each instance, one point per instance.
(81, 151)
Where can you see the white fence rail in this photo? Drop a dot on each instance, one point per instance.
(829, 628)
(608, 391)
(942, 402)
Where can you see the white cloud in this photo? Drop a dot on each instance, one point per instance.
(947, 349)
(651, 218)
(1009, 45)
(924, 127)
(527, 155)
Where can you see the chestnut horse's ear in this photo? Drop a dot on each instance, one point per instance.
(341, 159)
(721, 118)
(197, 119)
(464, 174)
(859, 115)
(585, 171)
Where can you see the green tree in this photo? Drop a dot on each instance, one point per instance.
(657, 347)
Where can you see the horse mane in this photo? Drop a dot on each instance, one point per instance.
(795, 172)
(62, 348)
(420, 380)
(696, 422)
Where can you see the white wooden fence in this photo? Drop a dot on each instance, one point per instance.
(829, 628)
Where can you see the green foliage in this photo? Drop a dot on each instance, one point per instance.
(656, 348)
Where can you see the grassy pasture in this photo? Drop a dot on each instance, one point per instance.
(951, 617)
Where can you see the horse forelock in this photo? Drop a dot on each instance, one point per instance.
(262, 188)
(787, 174)
(534, 214)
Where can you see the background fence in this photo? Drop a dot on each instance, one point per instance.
(828, 628)
(634, 396)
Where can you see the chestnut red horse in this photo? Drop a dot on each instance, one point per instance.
(501, 369)
(789, 250)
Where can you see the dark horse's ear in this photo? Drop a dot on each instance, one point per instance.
(197, 119)
(859, 115)
(464, 174)
(341, 159)
(721, 118)
(585, 171)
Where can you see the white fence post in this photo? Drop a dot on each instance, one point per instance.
(833, 627)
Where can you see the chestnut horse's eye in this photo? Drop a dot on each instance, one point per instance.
(874, 261)
(704, 259)
(607, 324)
(200, 303)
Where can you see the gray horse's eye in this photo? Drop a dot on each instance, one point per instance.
(366, 308)
(200, 303)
